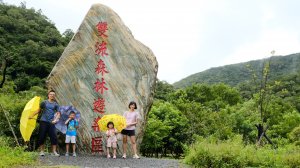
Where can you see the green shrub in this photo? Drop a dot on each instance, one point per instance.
(294, 135)
(15, 156)
(233, 153)
(13, 104)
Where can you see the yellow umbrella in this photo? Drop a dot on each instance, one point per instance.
(28, 125)
(118, 120)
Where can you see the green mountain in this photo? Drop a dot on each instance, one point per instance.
(30, 45)
(238, 73)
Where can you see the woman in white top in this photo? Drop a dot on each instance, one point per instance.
(132, 117)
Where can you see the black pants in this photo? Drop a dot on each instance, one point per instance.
(47, 128)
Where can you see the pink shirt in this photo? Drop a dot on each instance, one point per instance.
(112, 135)
(130, 118)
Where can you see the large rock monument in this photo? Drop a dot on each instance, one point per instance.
(101, 70)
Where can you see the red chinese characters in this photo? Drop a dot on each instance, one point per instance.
(95, 125)
(101, 48)
(101, 68)
(99, 86)
(101, 28)
(99, 105)
(97, 145)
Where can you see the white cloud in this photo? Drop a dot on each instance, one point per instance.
(187, 36)
(283, 42)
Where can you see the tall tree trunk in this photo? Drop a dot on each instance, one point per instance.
(4, 66)
(260, 133)
(260, 130)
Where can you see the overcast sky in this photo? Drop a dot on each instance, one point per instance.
(189, 36)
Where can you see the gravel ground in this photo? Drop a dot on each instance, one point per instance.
(101, 161)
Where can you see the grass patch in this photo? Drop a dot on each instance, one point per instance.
(233, 153)
(15, 156)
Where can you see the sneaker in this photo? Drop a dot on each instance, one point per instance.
(115, 157)
(55, 154)
(108, 156)
(74, 155)
(136, 156)
(42, 154)
(67, 154)
(124, 156)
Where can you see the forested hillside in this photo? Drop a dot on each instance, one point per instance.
(214, 123)
(30, 45)
(221, 122)
(238, 73)
(231, 126)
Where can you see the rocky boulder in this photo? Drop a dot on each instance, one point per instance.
(101, 70)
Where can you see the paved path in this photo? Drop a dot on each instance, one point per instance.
(102, 162)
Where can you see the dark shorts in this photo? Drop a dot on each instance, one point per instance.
(47, 128)
(128, 132)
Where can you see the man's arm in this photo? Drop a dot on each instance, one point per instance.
(57, 117)
(57, 114)
(35, 113)
(42, 106)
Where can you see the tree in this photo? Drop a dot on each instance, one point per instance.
(162, 90)
(166, 131)
(214, 97)
(3, 66)
(68, 35)
(294, 135)
(29, 45)
(263, 99)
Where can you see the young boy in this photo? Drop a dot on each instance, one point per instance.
(72, 125)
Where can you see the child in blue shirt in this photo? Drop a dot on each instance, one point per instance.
(72, 125)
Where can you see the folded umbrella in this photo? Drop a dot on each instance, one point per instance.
(28, 125)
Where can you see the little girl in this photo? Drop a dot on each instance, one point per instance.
(111, 139)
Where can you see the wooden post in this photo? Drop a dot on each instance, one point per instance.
(10, 126)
